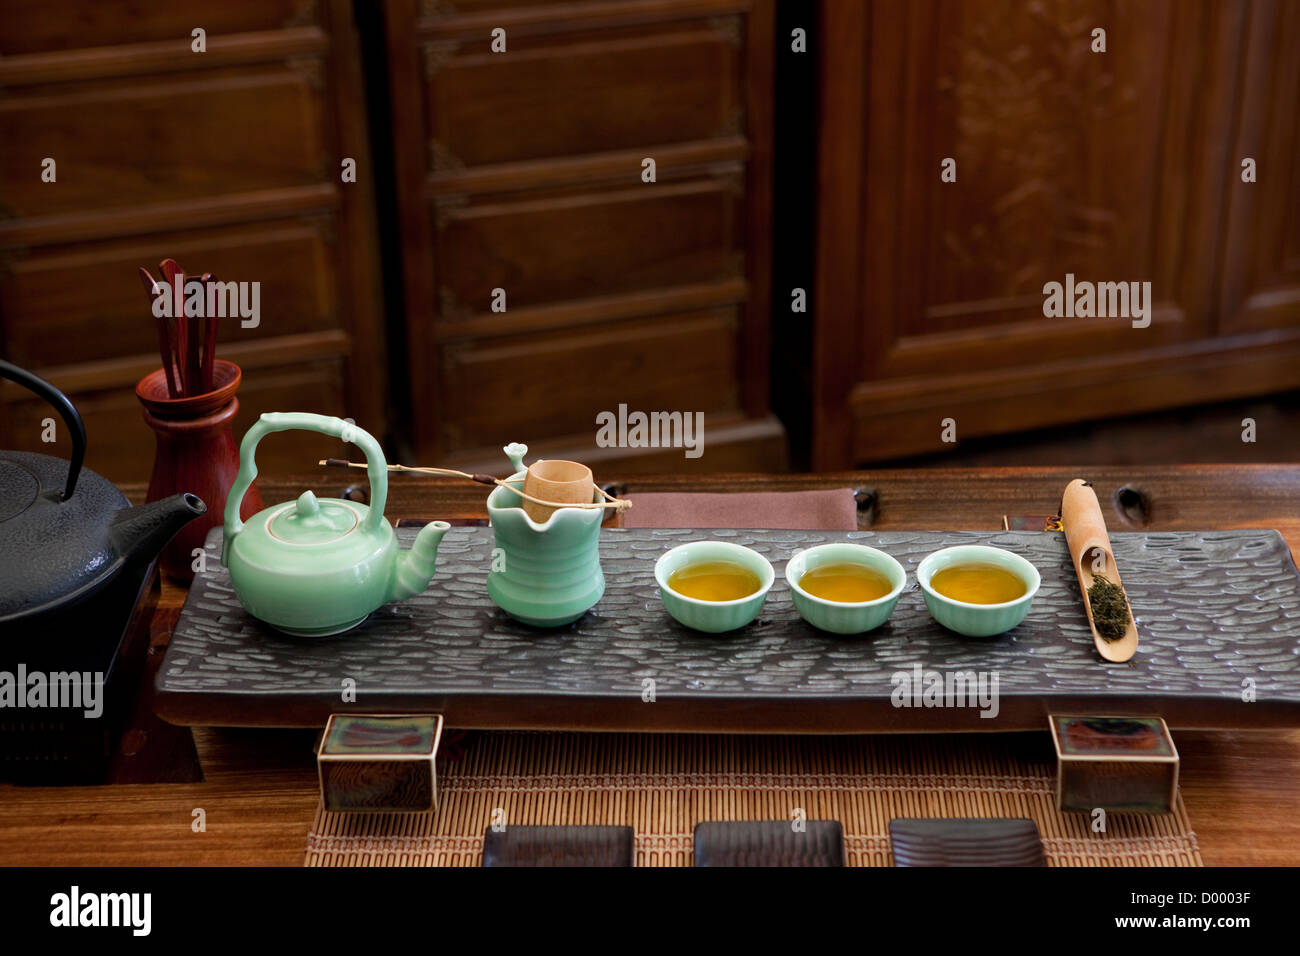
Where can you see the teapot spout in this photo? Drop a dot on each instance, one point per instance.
(140, 533)
(415, 567)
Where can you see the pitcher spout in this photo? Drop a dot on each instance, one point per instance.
(416, 567)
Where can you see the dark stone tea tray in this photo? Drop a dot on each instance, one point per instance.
(1218, 615)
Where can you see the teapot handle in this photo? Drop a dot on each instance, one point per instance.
(69, 414)
(376, 466)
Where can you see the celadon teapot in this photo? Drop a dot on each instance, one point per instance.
(319, 566)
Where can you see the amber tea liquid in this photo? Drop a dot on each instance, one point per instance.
(978, 584)
(714, 581)
(846, 583)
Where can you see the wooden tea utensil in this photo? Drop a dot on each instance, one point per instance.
(209, 330)
(1091, 555)
(181, 337)
(569, 482)
(193, 357)
(154, 290)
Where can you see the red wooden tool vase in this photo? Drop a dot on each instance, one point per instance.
(196, 453)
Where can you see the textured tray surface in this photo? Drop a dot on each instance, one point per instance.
(1215, 611)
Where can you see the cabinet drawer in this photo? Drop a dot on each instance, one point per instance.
(580, 92)
(555, 248)
(528, 387)
(156, 139)
(120, 445)
(57, 25)
(460, 7)
(63, 305)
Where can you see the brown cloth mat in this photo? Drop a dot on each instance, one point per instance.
(832, 510)
(663, 784)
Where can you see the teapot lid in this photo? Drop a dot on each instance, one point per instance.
(312, 521)
(18, 489)
(58, 547)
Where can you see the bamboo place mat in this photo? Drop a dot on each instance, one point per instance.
(662, 785)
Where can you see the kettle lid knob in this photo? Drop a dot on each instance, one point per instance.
(309, 520)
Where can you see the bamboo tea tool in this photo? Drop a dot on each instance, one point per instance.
(555, 480)
(1092, 557)
(590, 490)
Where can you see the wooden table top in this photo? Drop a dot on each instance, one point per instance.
(257, 789)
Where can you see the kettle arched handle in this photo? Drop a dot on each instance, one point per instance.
(376, 465)
(71, 417)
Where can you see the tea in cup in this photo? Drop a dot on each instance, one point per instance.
(977, 590)
(845, 588)
(713, 586)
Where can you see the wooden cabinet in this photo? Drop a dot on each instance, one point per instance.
(521, 171)
(227, 160)
(551, 246)
(1113, 167)
(1260, 287)
(573, 91)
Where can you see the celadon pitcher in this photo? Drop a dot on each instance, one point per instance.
(544, 574)
(319, 566)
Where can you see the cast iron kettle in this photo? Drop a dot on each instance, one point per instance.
(67, 533)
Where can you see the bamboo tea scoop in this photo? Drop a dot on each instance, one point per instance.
(1091, 555)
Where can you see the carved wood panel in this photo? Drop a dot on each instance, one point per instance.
(1111, 166)
(1058, 160)
(1261, 274)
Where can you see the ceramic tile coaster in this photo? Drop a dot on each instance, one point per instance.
(663, 785)
(969, 841)
(769, 843)
(559, 846)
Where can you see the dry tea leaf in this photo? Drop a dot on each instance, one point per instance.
(1109, 608)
